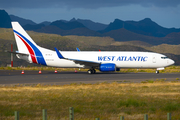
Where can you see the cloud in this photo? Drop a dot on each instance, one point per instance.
(87, 4)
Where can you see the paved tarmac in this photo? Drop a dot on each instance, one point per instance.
(8, 77)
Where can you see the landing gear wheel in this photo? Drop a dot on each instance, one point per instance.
(93, 71)
(89, 72)
(157, 72)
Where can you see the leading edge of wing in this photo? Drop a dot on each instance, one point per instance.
(81, 62)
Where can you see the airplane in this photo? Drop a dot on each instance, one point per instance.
(104, 61)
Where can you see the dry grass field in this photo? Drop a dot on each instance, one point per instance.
(107, 101)
(170, 69)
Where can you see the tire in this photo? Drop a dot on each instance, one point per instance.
(157, 72)
(93, 71)
(89, 72)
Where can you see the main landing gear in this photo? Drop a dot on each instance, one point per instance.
(157, 71)
(91, 71)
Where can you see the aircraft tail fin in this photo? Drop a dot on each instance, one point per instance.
(23, 40)
(26, 45)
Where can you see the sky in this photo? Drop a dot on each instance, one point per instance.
(164, 12)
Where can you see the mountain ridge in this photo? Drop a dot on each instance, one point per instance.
(5, 21)
(67, 25)
(90, 24)
(144, 27)
(22, 21)
(144, 30)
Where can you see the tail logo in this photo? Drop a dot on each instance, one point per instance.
(35, 53)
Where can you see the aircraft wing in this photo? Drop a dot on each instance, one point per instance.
(81, 62)
(86, 63)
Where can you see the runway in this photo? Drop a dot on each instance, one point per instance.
(8, 77)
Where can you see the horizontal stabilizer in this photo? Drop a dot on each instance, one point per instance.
(17, 53)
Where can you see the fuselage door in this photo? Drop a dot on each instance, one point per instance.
(154, 58)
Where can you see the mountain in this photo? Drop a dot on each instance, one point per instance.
(144, 30)
(22, 21)
(33, 27)
(126, 35)
(62, 27)
(73, 27)
(145, 27)
(67, 25)
(173, 38)
(46, 23)
(68, 28)
(5, 21)
(81, 31)
(91, 25)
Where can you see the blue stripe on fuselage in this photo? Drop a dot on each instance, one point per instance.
(39, 56)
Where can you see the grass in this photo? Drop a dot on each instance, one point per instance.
(106, 101)
(40, 68)
(170, 69)
(155, 81)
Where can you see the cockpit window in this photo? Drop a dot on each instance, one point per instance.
(164, 57)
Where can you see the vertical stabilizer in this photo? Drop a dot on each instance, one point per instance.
(21, 37)
(26, 45)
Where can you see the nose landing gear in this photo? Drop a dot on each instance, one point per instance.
(157, 70)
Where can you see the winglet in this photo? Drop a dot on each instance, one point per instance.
(59, 54)
(78, 49)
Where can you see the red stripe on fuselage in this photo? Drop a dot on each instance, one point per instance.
(33, 56)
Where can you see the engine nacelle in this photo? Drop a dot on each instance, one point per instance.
(107, 67)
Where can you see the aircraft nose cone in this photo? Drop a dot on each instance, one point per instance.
(171, 62)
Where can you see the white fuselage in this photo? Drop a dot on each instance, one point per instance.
(123, 59)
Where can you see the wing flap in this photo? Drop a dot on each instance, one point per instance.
(86, 63)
